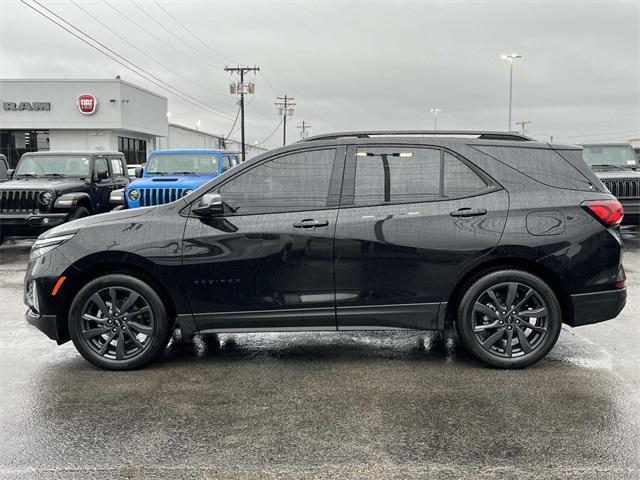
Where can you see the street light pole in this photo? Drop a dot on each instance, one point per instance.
(511, 58)
(435, 112)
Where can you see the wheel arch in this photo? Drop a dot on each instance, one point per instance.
(504, 263)
(92, 267)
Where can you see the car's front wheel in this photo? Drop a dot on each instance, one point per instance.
(118, 322)
(509, 318)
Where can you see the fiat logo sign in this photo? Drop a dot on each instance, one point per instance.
(87, 104)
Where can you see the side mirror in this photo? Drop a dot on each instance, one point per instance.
(117, 197)
(208, 205)
(103, 175)
(10, 173)
(139, 172)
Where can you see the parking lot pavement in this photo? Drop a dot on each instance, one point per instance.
(343, 405)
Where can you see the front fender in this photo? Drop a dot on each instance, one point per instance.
(69, 201)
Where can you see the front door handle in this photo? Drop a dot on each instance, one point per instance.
(309, 223)
(468, 212)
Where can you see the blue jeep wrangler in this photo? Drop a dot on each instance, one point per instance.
(171, 174)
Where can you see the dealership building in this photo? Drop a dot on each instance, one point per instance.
(109, 115)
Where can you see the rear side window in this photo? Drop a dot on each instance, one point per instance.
(388, 175)
(117, 168)
(543, 165)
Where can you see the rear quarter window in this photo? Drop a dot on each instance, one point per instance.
(543, 165)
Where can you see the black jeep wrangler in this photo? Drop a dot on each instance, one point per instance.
(617, 166)
(50, 188)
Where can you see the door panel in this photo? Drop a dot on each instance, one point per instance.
(395, 261)
(261, 272)
(267, 263)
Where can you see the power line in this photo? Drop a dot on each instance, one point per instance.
(163, 27)
(233, 127)
(143, 52)
(138, 26)
(192, 34)
(121, 60)
(269, 85)
(275, 130)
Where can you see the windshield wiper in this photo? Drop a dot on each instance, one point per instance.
(54, 175)
(607, 165)
(27, 175)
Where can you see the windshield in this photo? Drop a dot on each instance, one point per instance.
(54, 165)
(183, 163)
(621, 156)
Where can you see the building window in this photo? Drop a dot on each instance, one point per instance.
(15, 143)
(134, 150)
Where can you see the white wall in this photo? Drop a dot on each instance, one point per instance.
(120, 106)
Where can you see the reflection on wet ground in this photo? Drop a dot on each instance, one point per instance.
(320, 405)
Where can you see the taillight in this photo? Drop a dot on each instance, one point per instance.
(608, 212)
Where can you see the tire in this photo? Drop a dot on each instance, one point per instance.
(79, 212)
(124, 338)
(509, 337)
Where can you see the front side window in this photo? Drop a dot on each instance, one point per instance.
(294, 182)
(182, 164)
(102, 168)
(390, 175)
(54, 165)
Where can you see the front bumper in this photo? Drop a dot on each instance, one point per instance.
(45, 323)
(588, 308)
(631, 212)
(31, 223)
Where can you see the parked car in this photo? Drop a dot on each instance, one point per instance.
(132, 171)
(50, 188)
(617, 166)
(4, 168)
(503, 236)
(170, 174)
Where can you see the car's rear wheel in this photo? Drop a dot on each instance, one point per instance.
(509, 318)
(118, 322)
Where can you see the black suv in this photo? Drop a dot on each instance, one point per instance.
(502, 235)
(617, 166)
(50, 188)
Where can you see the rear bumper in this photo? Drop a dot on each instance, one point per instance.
(587, 308)
(45, 323)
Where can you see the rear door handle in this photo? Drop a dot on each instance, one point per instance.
(468, 212)
(309, 223)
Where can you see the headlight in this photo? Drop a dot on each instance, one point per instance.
(133, 194)
(44, 246)
(187, 192)
(46, 198)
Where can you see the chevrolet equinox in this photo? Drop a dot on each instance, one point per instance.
(501, 235)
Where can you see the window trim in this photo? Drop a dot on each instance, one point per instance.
(333, 195)
(347, 199)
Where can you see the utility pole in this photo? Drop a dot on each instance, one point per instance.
(303, 127)
(522, 126)
(510, 58)
(435, 112)
(239, 88)
(285, 108)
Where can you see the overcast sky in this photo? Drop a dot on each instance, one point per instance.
(357, 65)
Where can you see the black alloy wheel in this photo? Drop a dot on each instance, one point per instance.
(118, 322)
(509, 319)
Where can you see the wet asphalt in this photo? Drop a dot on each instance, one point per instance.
(320, 405)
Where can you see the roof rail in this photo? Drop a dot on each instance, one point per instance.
(482, 135)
